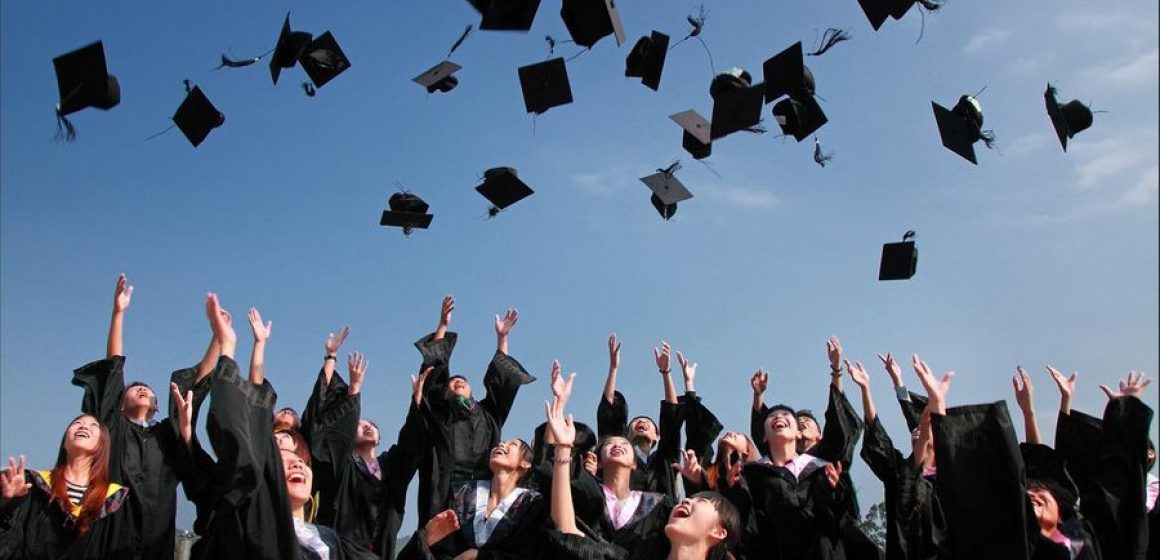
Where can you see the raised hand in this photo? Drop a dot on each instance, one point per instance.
(1066, 387)
(1133, 386)
(445, 311)
(892, 369)
(356, 367)
(123, 294)
(184, 412)
(1021, 382)
(417, 385)
(561, 387)
(759, 382)
(440, 526)
(834, 474)
(936, 389)
(690, 467)
(688, 371)
(591, 462)
(261, 331)
(613, 352)
(859, 375)
(503, 326)
(834, 352)
(222, 324)
(561, 427)
(12, 482)
(663, 356)
(334, 341)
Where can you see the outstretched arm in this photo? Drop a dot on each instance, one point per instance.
(834, 352)
(936, 389)
(184, 412)
(759, 382)
(688, 372)
(258, 356)
(444, 317)
(121, 299)
(613, 365)
(862, 380)
(223, 330)
(1022, 385)
(663, 356)
(331, 346)
(1066, 385)
(503, 328)
(564, 434)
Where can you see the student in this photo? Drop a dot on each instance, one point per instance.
(653, 472)
(73, 511)
(462, 430)
(147, 456)
(702, 527)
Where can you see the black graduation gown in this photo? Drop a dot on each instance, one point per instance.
(981, 482)
(1047, 468)
(644, 531)
(33, 528)
(460, 437)
(1106, 459)
(364, 509)
(701, 428)
(540, 476)
(249, 513)
(655, 474)
(915, 528)
(151, 460)
(575, 547)
(839, 435)
(518, 535)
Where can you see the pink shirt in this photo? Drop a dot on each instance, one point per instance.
(620, 511)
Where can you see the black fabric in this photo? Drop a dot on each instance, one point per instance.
(644, 532)
(33, 528)
(1110, 476)
(520, 534)
(981, 482)
(656, 473)
(460, 437)
(915, 527)
(151, 460)
(701, 428)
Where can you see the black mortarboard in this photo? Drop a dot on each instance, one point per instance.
(290, 46)
(1069, 119)
(799, 118)
(732, 79)
(695, 147)
(785, 73)
(439, 77)
(647, 59)
(545, 85)
(898, 8)
(502, 187)
(667, 191)
(899, 260)
(323, 60)
(696, 139)
(959, 128)
(196, 116)
(736, 110)
(84, 80)
(506, 15)
(406, 211)
(876, 11)
(590, 20)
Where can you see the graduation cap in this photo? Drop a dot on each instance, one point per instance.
(323, 60)
(545, 85)
(590, 20)
(785, 73)
(667, 190)
(899, 260)
(196, 116)
(407, 211)
(84, 80)
(799, 118)
(1068, 119)
(736, 104)
(877, 10)
(647, 59)
(502, 187)
(962, 126)
(439, 78)
(290, 46)
(506, 15)
(696, 139)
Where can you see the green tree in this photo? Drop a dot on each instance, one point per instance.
(873, 524)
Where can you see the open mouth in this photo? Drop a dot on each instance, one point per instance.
(296, 478)
(682, 511)
(82, 433)
(616, 451)
(498, 452)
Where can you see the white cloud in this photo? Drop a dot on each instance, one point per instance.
(742, 197)
(1107, 162)
(1025, 145)
(1132, 73)
(1144, 191)
(1097, 21)
(987, 40)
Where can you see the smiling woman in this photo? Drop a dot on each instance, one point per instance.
(70, 511)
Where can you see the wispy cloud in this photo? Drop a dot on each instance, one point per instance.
(1110, 161)
(742, 197)
(1135, 72)
(986, 40)
(1026, 145)
(1097, 21)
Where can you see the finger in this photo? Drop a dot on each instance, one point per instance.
(1015, 384)
(188, 398)
(1106, 390)
(681, 359)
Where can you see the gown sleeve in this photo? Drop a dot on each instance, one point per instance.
(436, 354)
(981, 482)
(841, 432)
(757, 427)
(611, 417)
(701, 428)
(503, 380)
(879, 453)
(103, 382)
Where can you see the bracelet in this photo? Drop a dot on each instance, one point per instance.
(563, 461)
(330, 357)
(565, 445)
(836, 371)
(666, 371)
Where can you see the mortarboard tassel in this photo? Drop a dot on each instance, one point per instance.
(64, 129)
(820, 158)
(460, 40)
(231, 63)
(831, 37)
(309, 89)
(988, 138)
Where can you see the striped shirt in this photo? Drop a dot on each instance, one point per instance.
(76, 492)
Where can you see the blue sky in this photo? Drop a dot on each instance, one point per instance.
(1034, 256)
